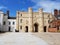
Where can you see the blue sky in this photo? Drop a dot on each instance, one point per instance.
(22, 5)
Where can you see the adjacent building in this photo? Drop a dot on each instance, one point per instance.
(12, 24)
(5, 21)
(55, 24)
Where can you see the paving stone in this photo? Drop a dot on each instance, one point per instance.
(21, 39)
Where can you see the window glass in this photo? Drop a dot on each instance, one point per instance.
(13, 23)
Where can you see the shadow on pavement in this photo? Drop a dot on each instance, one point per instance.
(1, 32)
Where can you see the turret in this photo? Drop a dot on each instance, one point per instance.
(41, 12)
(41, 20)
(7, 13)
(30, 12)
(17, 21)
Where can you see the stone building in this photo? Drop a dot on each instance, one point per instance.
(33, 21)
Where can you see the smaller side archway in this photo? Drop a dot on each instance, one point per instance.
(26, 28)
(45, 28)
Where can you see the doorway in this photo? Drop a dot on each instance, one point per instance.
(35, 27)
(26, 29)
(44, 28)
(9, 28)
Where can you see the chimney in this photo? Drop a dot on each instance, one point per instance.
(8, 13)
(55, 12)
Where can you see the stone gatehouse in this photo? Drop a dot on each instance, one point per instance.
(33, 21)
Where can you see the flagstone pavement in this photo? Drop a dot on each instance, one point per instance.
(20, 39)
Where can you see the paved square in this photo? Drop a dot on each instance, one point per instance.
(20, 39)
(50, 38)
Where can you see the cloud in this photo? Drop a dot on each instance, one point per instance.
(3, 7)
(47, 5)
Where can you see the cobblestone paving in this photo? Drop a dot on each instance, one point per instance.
(20, 39)
(50, 38)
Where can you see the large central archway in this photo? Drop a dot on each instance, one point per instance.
(35, 27)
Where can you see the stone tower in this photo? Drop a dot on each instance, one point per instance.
(30, 12)
(17, 20)
(41, 24)
(7, 13)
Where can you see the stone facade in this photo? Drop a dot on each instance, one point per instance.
(33, 21)
(27, 21)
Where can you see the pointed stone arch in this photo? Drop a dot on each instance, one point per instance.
(26, 28)
(36, 27)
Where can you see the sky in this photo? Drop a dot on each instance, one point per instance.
(23, 5)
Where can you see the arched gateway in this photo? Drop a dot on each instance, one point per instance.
(26, 29)
(35, 27)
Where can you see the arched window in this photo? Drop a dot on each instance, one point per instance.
(21, 27)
